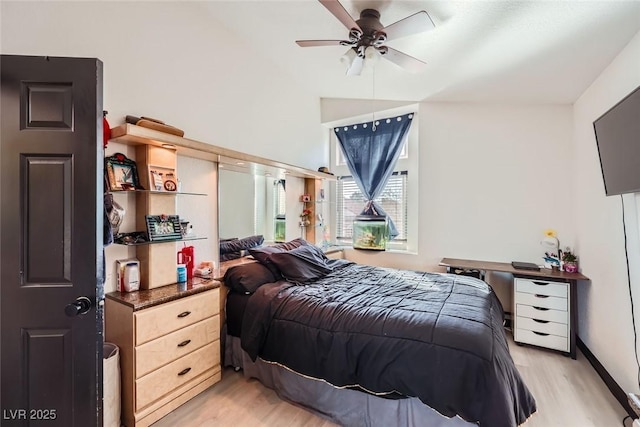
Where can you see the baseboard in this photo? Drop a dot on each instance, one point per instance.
(611, 384)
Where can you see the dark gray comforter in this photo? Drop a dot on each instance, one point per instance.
(395, 333)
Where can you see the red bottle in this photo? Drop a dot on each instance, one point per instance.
(186, 257)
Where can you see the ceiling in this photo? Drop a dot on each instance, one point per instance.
(480, 51)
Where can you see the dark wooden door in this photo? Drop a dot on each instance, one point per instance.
(50, 241)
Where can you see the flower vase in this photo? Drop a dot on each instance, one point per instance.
(570, 266)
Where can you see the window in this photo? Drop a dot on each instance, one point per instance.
(393, 200)
(280, 198)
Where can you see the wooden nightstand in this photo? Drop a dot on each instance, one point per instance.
(169, 340)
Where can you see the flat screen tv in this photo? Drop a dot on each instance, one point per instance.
(618, 138)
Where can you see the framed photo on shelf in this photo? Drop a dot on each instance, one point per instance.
(163, 227)
(121, 173)
(162, 179)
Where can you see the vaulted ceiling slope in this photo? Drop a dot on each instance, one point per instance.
(529, 51)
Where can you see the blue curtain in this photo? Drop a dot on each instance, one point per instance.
(371, 151)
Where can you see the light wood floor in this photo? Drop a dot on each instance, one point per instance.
(569, 393)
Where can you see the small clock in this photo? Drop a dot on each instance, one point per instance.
(170, 185)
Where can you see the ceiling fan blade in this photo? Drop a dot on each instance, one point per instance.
(313, 43)
(413, 24)
(409, 63)
(356, 66)
(341, 13)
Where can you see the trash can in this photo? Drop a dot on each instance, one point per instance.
(111, 385)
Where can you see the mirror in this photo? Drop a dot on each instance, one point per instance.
(251, 204)
(254, 199)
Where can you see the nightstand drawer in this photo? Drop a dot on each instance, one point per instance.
(542, 287)
(558, 316)
(166, 379)
(168, 348)
(544, 326)
(549, 341)
(154, 322)
(540, 300)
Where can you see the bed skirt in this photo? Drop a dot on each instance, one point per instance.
(342, 406)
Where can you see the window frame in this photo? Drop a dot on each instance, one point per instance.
(410, 164)
(402, 224)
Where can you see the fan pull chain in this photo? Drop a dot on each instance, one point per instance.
(373, 102)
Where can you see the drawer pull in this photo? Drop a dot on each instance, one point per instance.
(541, 296)
(540, 333)
(183, 343)
(540, 283)
(184, 314)
(184, 371)
(540, 308)
(540, 321)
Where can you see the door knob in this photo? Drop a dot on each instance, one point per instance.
(80, 306)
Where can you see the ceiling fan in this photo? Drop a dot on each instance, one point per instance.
(368, 32)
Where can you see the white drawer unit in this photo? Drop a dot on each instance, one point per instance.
(542, 287)
(542, 313)
(542, 301)
(558, 316)
(542, 326)
(169, 348)
(543, 340)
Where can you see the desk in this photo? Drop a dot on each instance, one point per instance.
(549, 276)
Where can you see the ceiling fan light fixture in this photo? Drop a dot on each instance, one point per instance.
(368, 32)
(380, 39)
(355, 35)
(356, 66)
(372, 54)
(348, 57)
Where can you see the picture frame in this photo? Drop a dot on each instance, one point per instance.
(162, 179)
(121, 173)
(163, 227)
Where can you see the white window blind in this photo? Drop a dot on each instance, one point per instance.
(260, 205)
(393, 200)
(280, 198)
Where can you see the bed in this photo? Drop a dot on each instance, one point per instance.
(365, 345)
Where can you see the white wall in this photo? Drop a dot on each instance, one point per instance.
(604, 306)
(493, 178)
(172, 61)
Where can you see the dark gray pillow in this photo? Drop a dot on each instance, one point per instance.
(230, 255)
(301, 264)
(236, 245)
(261, 254)
(247, 278)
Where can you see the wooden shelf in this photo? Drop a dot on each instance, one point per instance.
(136, 135)
(153, 242)
(164, 193)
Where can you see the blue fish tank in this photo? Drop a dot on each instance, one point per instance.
(280, 228)
(370, 232)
